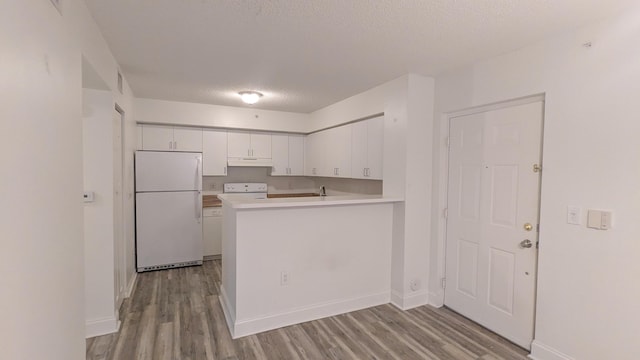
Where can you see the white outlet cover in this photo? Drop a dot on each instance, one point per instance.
(574, 215)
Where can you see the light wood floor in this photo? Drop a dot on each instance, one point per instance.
(175, 314)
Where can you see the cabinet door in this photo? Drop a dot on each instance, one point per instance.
(310, 163)
(296, 155)
(238, 144)
(359, 132)
(375, 141)
(338, 146)
(156, 137)
(261, 146)
(280, 155)
(214, 153)
(187, 139)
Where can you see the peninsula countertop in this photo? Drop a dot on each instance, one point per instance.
(240, 202)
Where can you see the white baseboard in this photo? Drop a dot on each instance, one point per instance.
(314, 312)
(229, 315)
(132, 284)
(406, 302)
(436, 299)
(103, 326)
(211, 257)
(540, 351)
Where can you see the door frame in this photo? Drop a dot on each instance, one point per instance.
(122, 264)
(437, 296)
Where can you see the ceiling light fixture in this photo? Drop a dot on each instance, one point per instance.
(250, 97)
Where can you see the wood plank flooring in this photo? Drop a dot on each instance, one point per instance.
(175, 314)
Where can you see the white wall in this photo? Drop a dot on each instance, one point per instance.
(41, 223)
(587, 280)
(42, 257)
(407, 103)
(100, 312)
(205, 115)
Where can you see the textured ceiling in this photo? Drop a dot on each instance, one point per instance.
(304, 55)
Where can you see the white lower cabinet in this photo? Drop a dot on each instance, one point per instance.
(212, 231)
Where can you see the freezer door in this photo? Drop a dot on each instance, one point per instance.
(168, 171)
(168, 228)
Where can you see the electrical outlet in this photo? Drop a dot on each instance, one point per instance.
(414, 285)
(574, 215)
(284, 278)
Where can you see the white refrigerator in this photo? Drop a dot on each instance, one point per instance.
(168, 209)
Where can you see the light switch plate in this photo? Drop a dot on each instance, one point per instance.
(599, 219)
(574, 215)
(594, 219)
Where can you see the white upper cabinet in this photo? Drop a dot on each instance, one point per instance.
(328, 153)
(214, 152)
(157, 137)
(170, 138)
(187, 139)
(280, 155)
(239, 145)
(296, 155)
(287, 154)
(366, 149)
(315, 155)
(337, 143)
(261, 146)
(248, 145)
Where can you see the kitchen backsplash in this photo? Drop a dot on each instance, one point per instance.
(291, 184)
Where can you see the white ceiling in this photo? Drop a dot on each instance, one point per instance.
(306, 54)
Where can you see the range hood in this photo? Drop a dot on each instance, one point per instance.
(249, 162)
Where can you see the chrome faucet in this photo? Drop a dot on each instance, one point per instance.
(323, 192)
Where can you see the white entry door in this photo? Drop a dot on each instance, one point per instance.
(493, 202)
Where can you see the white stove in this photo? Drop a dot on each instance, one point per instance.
(251, 190)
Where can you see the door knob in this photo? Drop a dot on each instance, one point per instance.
(528, 227)
(526, 243)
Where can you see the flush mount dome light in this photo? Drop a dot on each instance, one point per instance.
(250, 97)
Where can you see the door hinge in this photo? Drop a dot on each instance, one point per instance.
(443, 282)
(445, 213)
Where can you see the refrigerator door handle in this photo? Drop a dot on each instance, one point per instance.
(199, 173)
(199, 206)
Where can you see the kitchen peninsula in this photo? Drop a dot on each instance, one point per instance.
(291, 260)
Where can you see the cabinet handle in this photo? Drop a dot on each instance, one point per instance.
(175, 145)
(225, 170)
(170, 145)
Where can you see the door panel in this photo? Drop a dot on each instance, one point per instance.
(238, 145)
(296, 155)
(375, 140)
(186, 139)
(214, 152)
(168, 171)
(156, 137)
(280, 153)
(261, 146)
(492, 193)
(169, 228)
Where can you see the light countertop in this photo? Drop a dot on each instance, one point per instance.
(239, 202)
